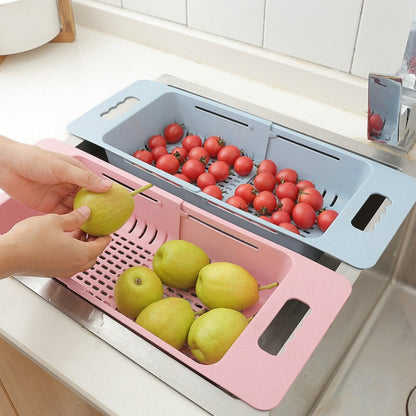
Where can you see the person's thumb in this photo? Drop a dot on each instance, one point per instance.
(73, 220)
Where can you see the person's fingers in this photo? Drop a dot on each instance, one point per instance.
(73, 220)
(78, 235)
(87, 179)
(80, 175)
(97, 246)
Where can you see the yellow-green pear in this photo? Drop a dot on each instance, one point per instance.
(136, 288)
(178, 262)
(227, 285)
(169, 319)
(212, 334)
(109, 210)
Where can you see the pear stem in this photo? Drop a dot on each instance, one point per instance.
(270, 286)
(201, 312)
(143, 188)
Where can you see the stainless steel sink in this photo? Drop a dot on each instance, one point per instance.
(377, 374)
(365, 364)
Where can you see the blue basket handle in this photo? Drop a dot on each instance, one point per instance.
(363, 248)
(93, 126)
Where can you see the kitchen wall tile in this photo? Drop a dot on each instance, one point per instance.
(382, 36)
(319, 31)
(240, 20)
(112, 2)
(174, 10)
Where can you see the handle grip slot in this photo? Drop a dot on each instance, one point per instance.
(367, 213)
(282, 326)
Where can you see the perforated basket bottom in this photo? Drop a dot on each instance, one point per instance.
(121, 254)
(229, 186)
(97, 284)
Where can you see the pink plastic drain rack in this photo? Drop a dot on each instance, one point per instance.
(249, 370)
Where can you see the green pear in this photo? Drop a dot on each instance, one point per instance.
(169, 319)
(212, 334)
(136, 288)
(178, 262)
(109, 210)
(227, 285)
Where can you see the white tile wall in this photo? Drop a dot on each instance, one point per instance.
(240, 20)
(354, 36)
(320, 31)
(174, 10)
(382, 37)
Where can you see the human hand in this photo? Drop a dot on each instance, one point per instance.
(44, 180)
(49, 245)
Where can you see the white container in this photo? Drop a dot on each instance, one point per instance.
(27, 24)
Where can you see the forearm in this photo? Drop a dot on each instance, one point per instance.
(9, 253)
(8, 151)
(62, 251)
(7, 148)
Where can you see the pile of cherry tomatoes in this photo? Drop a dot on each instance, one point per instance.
(277, 196)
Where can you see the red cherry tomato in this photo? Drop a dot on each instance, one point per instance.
(304, 183)
(159, 151)
(190, 141)
(246, 191)
(267, 165)
(280, 216)
(214, 191)
(289, 226)
(312, 197)
(168, 163)
(286, 175)
(205, 179)
(264, 203)
(192, 168)
(287, 190)
(173, 133)
(180, 153)
(264, 181)
(243, 165)
(237, 202)
(144, 155)
(229, 154)
(375, 124)
(200, 154)
(156, 140)
(213, 145)
(265, 218)
(286, 204)
(220, 170)
(182, 176)
(326, 218)
(303, 215)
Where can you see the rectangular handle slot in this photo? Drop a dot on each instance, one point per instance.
(282, 326)
(367, 213)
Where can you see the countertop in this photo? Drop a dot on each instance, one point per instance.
(42, 91)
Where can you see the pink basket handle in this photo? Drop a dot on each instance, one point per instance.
(324, 292)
